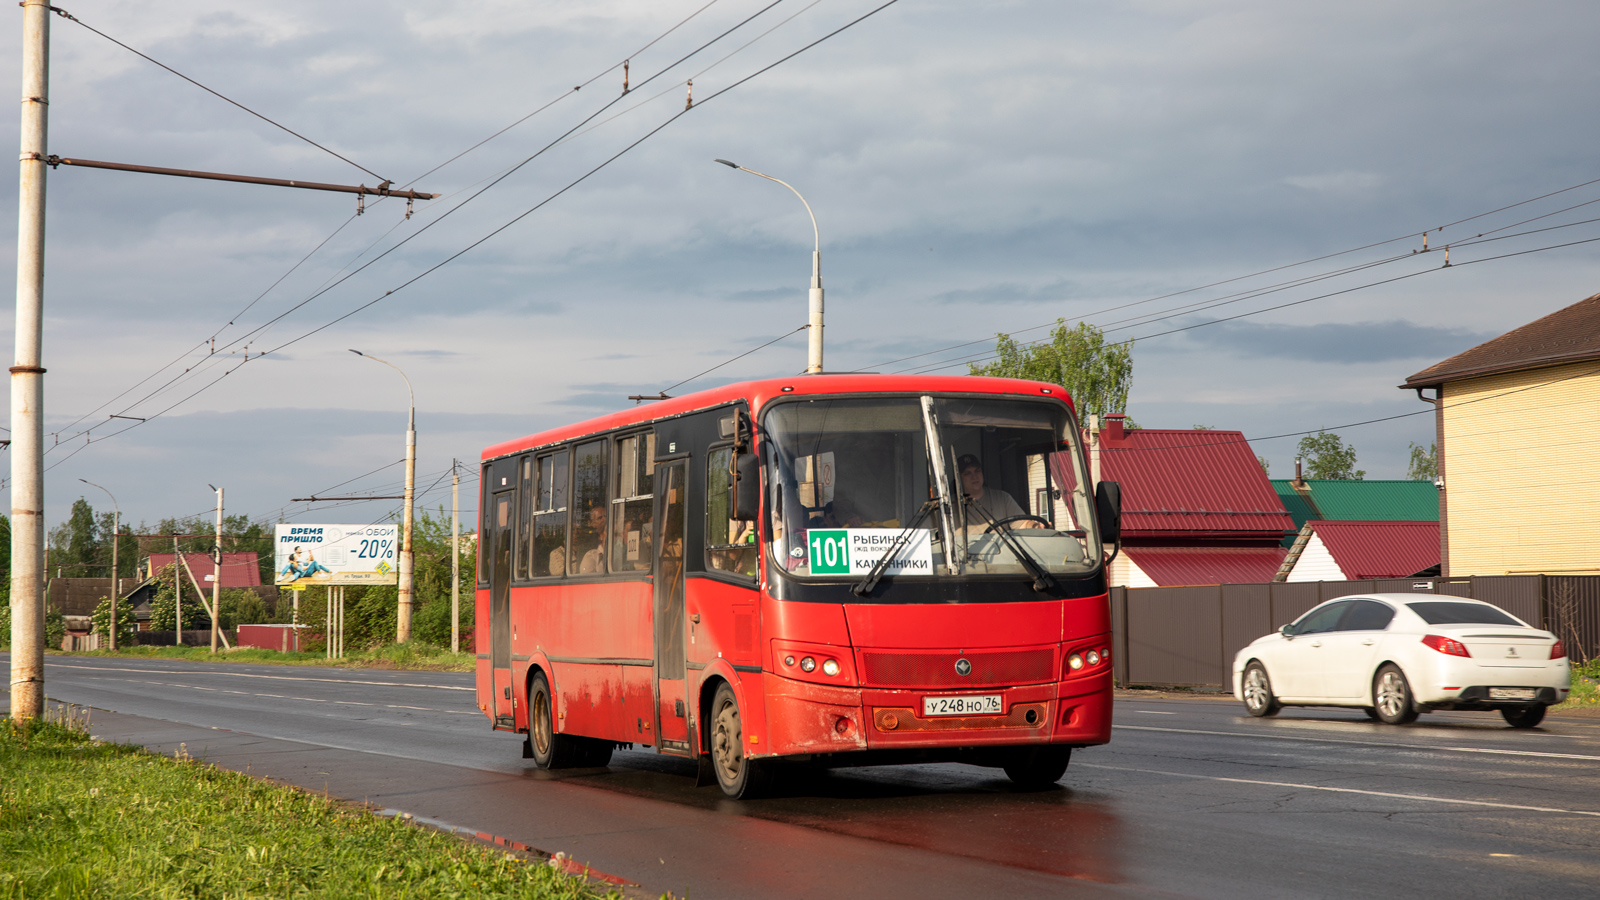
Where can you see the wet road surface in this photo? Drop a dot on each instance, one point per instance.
(1192, 798)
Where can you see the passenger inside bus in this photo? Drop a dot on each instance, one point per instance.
(591, 541)
(630, 545)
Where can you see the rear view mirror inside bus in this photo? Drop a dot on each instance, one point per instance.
(746, 487)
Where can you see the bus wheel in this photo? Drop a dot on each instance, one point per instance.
(1037, 768)
(740, 777)
(550, 750)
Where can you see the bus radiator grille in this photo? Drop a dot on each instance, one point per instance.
(881, 668)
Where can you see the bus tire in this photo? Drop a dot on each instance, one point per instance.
(739, 776)
(550, 750)
(1038, 768)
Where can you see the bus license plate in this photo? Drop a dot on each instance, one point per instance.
(981, 705)
(1512, 693)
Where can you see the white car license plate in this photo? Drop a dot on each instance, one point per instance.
(1512, 693)
(981, 705)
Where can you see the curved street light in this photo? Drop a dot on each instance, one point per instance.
(403, 618)
(116, 530)
(814, 348)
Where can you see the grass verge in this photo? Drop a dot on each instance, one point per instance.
(1585, 688)
(413, 656)
(82, 818)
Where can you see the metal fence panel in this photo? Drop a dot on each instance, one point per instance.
(1573, 605)
(1246, 615)
(1174, 636)
(1291, 600)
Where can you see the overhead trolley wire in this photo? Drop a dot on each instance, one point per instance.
(235, 317)
(71, 18)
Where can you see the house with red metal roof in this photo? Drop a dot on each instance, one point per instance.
(238, 569)
(1196, 507)
(1353, 551)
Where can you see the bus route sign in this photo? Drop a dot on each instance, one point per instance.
(853, 551)
(336, 554)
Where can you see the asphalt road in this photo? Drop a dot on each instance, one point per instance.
(1192, 798)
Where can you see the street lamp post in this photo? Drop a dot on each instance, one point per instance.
(116, 531)
(403, 623)
(814, 348)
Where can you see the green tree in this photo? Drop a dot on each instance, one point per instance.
(163, 605)
(1327, 457)
(75, 543)
(1424, 463)
(126, 625)
(1095, 373)
(1266, 467)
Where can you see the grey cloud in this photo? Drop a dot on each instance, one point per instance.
(1356, 342)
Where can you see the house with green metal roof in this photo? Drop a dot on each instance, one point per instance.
(1329, 500)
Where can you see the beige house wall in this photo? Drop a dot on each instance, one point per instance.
(1523, 473)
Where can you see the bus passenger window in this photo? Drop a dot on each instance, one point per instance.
(730, 544)
(524, 538)
(633, 504)
(589, 526)
(550, 517)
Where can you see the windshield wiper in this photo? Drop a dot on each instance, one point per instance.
(864, 587)
(1041, 579)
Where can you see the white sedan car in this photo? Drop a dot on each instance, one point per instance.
(1398, 655)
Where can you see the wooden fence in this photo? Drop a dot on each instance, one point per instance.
(1187, 636)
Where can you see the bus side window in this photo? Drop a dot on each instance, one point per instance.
(589, 526)
(483, 523)
(633, 504)
(550, 517)
(730, 544)
(524, 535)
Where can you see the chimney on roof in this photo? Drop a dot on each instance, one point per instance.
(1114, 426)
(1299, 479)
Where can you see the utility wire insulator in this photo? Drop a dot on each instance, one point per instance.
(625, 76)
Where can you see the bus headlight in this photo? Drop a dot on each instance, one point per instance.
(830, 667)
(1074, 662)
(807, 664)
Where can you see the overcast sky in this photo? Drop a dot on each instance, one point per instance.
(974, 167)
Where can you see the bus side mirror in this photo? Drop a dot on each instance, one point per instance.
(746, 487)
(1108, 508)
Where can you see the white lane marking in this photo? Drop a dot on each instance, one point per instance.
(1151, 712)
(437, 687)
(1368, 744)
(1522, 753)
(195, 687)
(1339, 790)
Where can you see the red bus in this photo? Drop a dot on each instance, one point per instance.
(831, 569)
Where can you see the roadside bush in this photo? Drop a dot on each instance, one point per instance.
(163, 615)
(55, 627)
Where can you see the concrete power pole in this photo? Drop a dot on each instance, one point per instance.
(455, 558)
(407, 562)
(27, 377)
(216, 577)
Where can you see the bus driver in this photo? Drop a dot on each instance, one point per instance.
(997, 503)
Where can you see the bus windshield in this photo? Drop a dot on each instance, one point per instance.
(954, 486)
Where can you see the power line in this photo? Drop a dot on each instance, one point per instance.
(737, 358)
(447, 213)
(71, 18)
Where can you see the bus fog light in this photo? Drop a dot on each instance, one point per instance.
(1093, 657)
(807, 664)
(830, 667)
(1074, 662)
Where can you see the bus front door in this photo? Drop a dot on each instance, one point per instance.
(499, 557)
(672, 723)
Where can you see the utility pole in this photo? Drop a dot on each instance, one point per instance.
(116, 532)
(216, 576)
(455, 558)
(177, 590)
(27, 377)
(407, 576)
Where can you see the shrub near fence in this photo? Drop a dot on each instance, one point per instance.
(1187, 636)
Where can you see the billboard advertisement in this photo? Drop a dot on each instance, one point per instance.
(336, 554)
